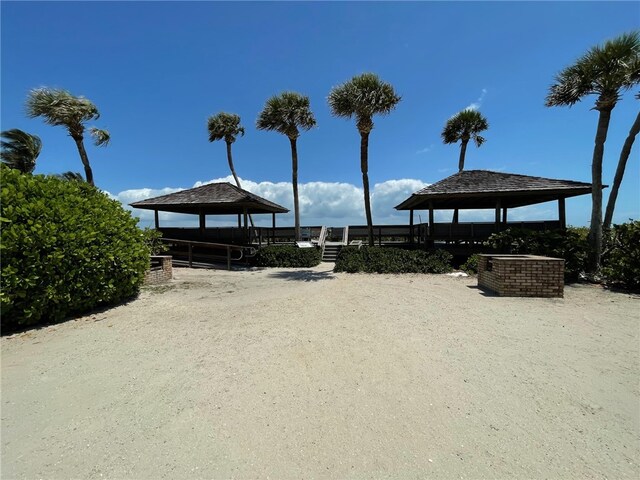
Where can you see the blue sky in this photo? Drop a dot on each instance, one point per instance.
(157, 70)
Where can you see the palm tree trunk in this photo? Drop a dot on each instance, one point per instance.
(463, 152)
(294, 181)
(364, 167)
(617, 180)
(233, 172)
(84, 158)
(595, 230)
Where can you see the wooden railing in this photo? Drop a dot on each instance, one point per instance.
(381, 234)
(239, 236)
(220, 247)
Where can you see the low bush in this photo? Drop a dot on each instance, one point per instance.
(392, 260)
(66, 248)
(152, 241)
(621, 256)
(471, 264)
(570, 244)
(287, 256)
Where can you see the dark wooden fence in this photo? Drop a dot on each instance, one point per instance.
(420, 234)
(239, 236)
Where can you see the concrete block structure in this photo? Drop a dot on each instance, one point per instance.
(161, 270)
(521, 275)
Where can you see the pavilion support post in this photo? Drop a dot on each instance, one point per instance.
(202, 222)
(273, 228)
(239, 221)
(562, 215)
(430, 231)
(504, 216)
(498, 206)
(246, 229)
(155, 217)
(411, 226)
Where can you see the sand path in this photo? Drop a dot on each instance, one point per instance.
(309, 374)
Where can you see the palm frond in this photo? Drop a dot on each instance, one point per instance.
(362, 97)
(59, 108)
(286, 114)
(605, 70)
(20, 150)
(224, 126)
(101, 138)
(70, 176)
(465, 125)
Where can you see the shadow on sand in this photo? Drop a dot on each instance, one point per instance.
(304, 275)
(482, 291)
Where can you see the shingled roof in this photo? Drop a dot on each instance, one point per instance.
(475, 189)
(211, 199)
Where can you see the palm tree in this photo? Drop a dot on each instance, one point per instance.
(622, 165)
(462, 127)
(59, 107)
(287, 113)
(20, 150)
(605, 71)
(226, 126)
(363, 97)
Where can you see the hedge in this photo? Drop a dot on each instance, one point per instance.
(392, 260)
(287, 256)
(621, 256)
(570, 244)
(66, 248)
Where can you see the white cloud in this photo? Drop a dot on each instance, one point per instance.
(424, 150)
(478, 103)
(326, 203)
(321, 203)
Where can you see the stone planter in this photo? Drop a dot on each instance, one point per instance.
(521, 275)
(161, 270)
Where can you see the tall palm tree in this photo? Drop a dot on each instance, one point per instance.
(462, 127)
(59, 107)
(287, 113)
(20, 150)
(363, 97)
(226, 126)
(603, 71)
(622, 165)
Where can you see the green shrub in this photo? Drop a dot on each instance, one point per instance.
(66, 249)
(471, 264)
(152, 241)
(287, 256)
(570, 244)
(621, 257)
(392, 260)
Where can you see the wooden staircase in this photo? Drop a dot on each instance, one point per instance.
(331, 251)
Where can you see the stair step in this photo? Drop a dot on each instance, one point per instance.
(331, 253)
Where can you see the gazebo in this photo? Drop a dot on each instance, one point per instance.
(485, 189)
(212, 199)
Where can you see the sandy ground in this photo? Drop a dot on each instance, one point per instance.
(309, 374)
